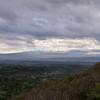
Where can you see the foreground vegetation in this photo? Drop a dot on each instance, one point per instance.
(19, 78)
(84, 86)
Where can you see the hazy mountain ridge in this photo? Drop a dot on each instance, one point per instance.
(46, 56)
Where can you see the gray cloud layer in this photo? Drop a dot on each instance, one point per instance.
(44, 18)
(49, 18)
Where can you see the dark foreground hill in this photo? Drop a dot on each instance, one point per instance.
(84, 86)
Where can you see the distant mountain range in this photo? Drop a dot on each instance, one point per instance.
(46, 56)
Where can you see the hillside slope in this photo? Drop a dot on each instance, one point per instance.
(84, 86)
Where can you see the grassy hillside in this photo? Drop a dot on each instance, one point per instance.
(84, 86)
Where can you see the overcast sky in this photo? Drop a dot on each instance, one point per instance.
(56, 26)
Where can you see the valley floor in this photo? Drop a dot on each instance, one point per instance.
(83, 86)
(63, 81)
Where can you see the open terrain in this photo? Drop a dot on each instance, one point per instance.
(83, 86)
(18, 77)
